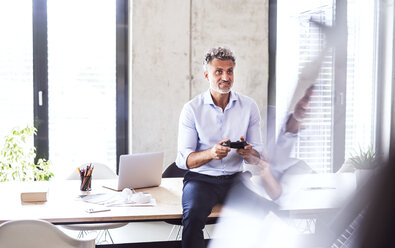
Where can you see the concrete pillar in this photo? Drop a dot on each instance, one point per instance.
(168, 42)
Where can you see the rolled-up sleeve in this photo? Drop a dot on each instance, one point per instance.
(187, 136)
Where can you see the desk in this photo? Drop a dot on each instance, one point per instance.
(316, 193)
(306, 195)
(63, 206)
(302, 194)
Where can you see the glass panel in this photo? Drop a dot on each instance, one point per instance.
(16, 66)
(82, 83)
(314, 143)
(360, 76)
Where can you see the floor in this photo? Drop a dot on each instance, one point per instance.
(141, 232)
(138, 232)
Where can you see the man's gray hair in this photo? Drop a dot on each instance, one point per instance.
(220, 53)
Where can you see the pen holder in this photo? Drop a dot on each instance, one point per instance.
(86, 183)
(86, 178)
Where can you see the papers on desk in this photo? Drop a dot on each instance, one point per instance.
(114, 200)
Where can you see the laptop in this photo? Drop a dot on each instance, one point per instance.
(139, 171)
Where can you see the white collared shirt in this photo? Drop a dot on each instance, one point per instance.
(202, 124)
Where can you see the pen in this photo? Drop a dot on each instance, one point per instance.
(318, 188)
(92, 210)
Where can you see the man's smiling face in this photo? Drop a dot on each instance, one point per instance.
(220, 75)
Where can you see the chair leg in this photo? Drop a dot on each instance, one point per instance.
(99, 237)
(178, 232)
(109, 235)
(171, 232)
(208, 234)
(80, 235)
(106, 234)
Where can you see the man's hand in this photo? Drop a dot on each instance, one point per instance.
(302, 105)
(249, 154)
(299, 112)
(218, 151)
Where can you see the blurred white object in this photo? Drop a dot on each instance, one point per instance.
(240, 229)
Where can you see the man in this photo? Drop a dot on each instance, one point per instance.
(206, 122)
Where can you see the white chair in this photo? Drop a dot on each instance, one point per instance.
(37, 234)
(100, 171)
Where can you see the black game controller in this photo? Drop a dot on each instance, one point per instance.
(237, 144)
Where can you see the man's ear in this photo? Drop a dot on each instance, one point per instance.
(205, 75)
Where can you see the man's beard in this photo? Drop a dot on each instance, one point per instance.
(218, 90)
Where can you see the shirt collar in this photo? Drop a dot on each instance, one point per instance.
(209, 100)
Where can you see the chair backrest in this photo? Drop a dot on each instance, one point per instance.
(37, 234)
(173, 171)
(100, 171)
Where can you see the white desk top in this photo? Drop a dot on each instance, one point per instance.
(309, 193)
(312, 193)
(63, 205)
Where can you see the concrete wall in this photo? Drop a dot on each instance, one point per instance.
(168, 42)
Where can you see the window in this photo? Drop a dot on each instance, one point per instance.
(69, 74)
(361, 74)
(82, 82)
(16, 65)
(341, 117)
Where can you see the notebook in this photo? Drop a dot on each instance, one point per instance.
(139, 171)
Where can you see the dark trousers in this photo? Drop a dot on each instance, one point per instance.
(200, 194)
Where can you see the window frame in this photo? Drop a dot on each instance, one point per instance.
(40, 78)
(340, 76)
